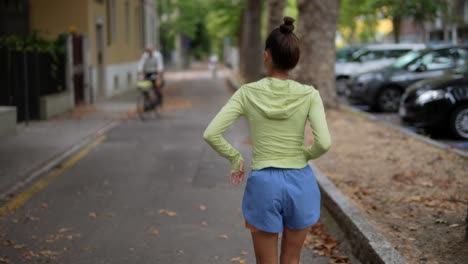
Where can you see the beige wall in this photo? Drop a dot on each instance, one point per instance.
(52, 17)
(123, 47)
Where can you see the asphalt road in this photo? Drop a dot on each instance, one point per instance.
(150, 192)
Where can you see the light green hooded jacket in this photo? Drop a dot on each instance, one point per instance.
(277, 111)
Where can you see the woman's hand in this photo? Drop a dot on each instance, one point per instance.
(237, 177)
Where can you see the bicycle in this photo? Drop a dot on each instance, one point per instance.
(147, 100)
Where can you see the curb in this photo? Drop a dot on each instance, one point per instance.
(368, 244)
(56, 161)
(424, 139)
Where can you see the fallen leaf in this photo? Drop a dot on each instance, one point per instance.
(48, 253)
(244, 252)
(44, 205)
(92, 214)
(167, 212)
(8, 243)
(5, 260)
(414, 199)
(154, 232)
(223, 236)
(32, 218)
(428, 184)
(239, 260)
(19, 246)
(29, 255)
(202, 207)
(63, 230)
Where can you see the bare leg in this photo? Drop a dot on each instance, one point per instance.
(266, 247)
(291, 245)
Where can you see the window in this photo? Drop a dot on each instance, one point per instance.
(371, 55)
(127, 21)
(395, 53)
(436, 60)
(139, 27)
(440, 60)
(111, 21)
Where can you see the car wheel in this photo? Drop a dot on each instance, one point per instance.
(388, 99)
(459, 122)
(341, 85)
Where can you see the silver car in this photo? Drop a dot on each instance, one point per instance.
(371, 57)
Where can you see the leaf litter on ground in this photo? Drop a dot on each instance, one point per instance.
(167, 212)
(391, 176)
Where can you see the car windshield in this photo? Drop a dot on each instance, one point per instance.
(345, 54)
(367, 55)
(406, 59)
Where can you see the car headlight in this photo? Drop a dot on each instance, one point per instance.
(369, 77)
(429, 96)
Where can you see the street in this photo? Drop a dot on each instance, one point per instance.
(146, 192)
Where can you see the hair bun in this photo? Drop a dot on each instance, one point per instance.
(287, 27)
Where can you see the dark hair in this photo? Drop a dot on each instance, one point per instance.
(283, 45)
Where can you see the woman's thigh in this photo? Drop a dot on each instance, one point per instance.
(266, 247)
(291, 244)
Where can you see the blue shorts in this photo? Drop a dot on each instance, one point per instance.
(276, 198)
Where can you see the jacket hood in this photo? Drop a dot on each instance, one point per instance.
(275, 98)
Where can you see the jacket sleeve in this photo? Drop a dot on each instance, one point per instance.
(318, 122)
(213, 133)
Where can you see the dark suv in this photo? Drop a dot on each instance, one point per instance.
(382, 89)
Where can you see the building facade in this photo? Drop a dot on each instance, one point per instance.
(115, 33)
(450, 26)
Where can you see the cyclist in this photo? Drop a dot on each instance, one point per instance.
(151, 67)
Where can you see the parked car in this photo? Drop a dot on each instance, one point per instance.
(439, 103)
(345, 54)
(382, 89)
(369, 58)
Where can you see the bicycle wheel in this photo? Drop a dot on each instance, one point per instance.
(144, 106)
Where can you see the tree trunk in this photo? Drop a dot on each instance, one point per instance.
(396, 21)
(251, 46)
(275, 14)
(317, 30)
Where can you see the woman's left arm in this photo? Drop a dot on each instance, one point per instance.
(213, 133)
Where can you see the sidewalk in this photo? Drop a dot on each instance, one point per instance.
(37, 144)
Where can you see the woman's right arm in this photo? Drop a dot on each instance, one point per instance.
(318, 122)
(213, 134)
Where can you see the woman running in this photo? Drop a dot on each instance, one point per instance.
(281, 195)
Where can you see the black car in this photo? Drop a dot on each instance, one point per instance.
(438, 103)
(382, 89)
